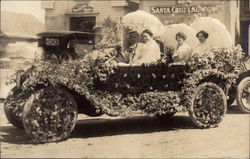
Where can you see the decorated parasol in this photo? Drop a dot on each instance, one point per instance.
(141, 20)
(218, 33)
(169, 32)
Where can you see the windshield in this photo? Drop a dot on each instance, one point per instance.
(81, 46)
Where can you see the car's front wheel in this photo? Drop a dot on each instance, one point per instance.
(208, 106)
(13, 107)
(50, 115)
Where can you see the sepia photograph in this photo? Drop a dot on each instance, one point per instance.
(125, 79)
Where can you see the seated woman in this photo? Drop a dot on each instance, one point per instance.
(183, 50)
(147, 51)
(203, 46)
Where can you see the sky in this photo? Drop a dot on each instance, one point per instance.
(20, 6)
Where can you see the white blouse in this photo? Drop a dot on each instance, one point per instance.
(182, 53)
(202, 48)
(146, 53)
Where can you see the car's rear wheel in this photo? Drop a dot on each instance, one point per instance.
(243, 95)
(50, 115)
(208, 106)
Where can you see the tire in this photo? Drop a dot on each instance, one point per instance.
(208, 106)
(50, 115)
(243, 95)
(13, 107)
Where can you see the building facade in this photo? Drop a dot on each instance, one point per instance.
(83, 15)
(185, 11)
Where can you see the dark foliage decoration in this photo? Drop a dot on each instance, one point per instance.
(219, 66)
(226, 60)
(49, 118)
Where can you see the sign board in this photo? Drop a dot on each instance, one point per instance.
(82, 8)
(185, 9)
(118, 3)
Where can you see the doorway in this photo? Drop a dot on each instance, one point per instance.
(244, 27)
(85, 24)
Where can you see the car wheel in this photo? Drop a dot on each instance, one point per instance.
(243, 95)
(208, 106)
(50, 115)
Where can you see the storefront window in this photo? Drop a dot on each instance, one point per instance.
(84, 24)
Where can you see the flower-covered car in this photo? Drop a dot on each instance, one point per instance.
(49, 95)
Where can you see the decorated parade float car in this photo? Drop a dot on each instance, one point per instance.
(85, 79)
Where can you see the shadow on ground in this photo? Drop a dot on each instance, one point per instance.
(91, 127)
(234, 109)
(107, 127)
(11, 134)
(103, 126)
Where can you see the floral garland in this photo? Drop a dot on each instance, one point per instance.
(79, 75)
(226, 60)
(223, 80)
(222, 63)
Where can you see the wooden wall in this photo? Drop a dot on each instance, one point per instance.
(58, 12)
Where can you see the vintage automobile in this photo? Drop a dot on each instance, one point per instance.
(241, 89)
(56, 45)
(65, 44)
(49, 95)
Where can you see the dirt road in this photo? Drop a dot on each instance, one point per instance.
(140, 137)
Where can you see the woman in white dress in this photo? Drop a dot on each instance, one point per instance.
(147, 51)
(183, 50)
(203, 46)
